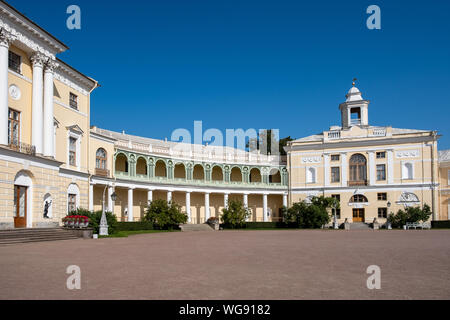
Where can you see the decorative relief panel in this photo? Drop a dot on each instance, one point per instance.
(312, 159)
(407, 154)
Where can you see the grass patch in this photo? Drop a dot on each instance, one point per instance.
(125, 234)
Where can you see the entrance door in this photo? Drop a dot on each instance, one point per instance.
(358, 215)
(20, 207)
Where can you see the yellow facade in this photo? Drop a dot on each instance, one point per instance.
(86, 165)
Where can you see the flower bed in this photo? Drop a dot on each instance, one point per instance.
(76, 222)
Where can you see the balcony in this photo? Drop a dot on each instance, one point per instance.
(101, 172)
(23, 148)
(357, 183)
(334, 135)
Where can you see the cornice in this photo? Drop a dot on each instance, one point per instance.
(25, 30)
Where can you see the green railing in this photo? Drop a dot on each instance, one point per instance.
(213, 183)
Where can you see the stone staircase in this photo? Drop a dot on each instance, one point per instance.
(195, 227)
(359, 226)
(34, 235)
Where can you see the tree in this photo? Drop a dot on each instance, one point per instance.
(410, 214)
(310, 214)
(265, 138)
(164, 214)
(235, 215)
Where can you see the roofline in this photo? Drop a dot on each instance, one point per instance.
(95, 82)
(35, 24)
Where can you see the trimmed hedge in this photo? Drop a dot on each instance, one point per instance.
(440, 224)
(134, 226)
(264, 225)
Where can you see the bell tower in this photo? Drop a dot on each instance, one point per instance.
(355, 110)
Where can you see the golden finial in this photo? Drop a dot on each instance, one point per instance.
(354, 81)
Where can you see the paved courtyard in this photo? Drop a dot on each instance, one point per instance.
(233, 265)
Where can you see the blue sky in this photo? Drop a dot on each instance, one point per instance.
(256, 64)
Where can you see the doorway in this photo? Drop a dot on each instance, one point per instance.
(20, 206)
(358, 215)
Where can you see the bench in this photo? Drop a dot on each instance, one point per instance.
(415, 225)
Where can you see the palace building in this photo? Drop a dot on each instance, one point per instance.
(51, 157)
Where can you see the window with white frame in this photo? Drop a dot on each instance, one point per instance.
(311, 175)
(407, 171)
(73, 149)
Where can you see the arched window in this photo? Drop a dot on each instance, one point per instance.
(100, 159)
(255, 175)
(358, 170)
(217, 174)
(407, 170)
(198, 173)
(275, 176)
(236, 175)
(311, 175)
(160, 169)
(358, 198)
(179, 171)
(121, 163)
(141, 166)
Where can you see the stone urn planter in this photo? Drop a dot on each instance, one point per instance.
(214, 223)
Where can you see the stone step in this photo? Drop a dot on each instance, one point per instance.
(195, 227)
(35, 235)
(359, 226)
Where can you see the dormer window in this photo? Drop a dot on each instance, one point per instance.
(355, 116)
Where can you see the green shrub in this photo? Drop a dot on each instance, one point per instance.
(134, 226)
(235, 215)
(164, 215)
(310, 215)
(95, 217)
(410, 214)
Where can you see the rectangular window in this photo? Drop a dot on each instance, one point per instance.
(13, 127)
(338, 211)
(73, 101)
(382, 212)
(72, 203)
(335, 157)
(335, 174)
(72, 151)
(382, 196)
(381, 172)
(14, 61)
(381, 155)
(448, 176)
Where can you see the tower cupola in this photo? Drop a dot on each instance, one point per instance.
(355, 110)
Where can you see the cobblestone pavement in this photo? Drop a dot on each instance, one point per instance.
(283, 264)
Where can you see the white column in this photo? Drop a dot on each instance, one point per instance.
(37, 118)
(285, 200)
(390, 166)
(110, 202)
(5, 39)
(207, 213)
(265, 207)
(326, 168)
(225, 200)
(169, 196)
(246, 204)
(149, 195)
(130, 205)
(245, 200)
(91, 197)
(188, 205)
(371, 168)
(344, 169)
(48, 143)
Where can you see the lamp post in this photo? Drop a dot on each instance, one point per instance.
(335, 224)
(103, 221)
(389, 226)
